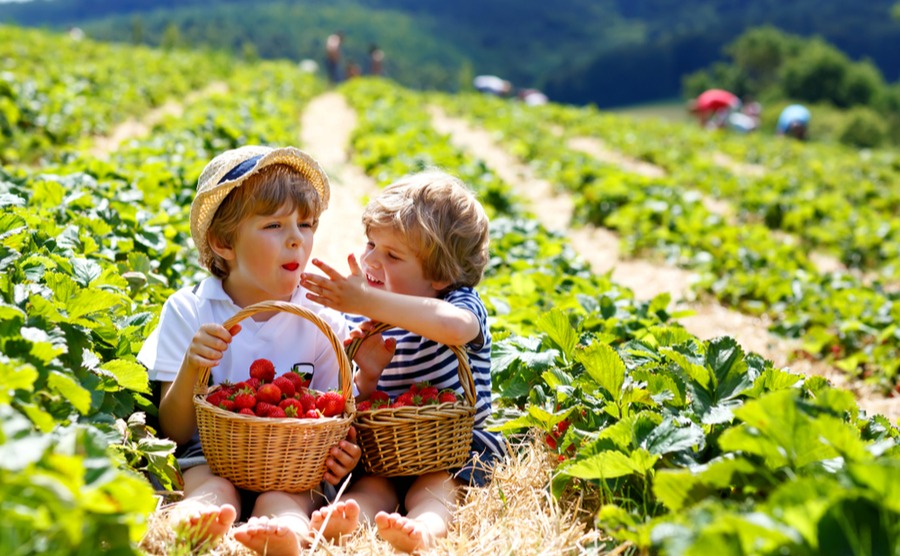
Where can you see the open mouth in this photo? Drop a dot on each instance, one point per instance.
(373, 281)
(291, 266)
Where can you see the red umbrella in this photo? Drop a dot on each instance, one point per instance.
(716, 99)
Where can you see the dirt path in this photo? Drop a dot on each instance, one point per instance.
(131, 129)
(326, 126)
(646, 279)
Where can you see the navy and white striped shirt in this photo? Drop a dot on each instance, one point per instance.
(418, 359)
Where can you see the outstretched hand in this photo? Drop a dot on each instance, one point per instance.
(342, 293)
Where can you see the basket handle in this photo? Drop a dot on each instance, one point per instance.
(464, 370)
(344, 369)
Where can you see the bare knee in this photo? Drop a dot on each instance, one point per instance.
(280, 503)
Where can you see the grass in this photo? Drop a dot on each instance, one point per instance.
(515, 514)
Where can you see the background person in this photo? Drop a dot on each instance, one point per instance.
(793, 121)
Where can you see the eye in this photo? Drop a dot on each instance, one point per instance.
(272, 226)
(394, 257)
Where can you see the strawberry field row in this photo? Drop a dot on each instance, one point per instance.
(839, 317)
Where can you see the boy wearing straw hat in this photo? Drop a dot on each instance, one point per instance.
(252, 221)
(427, 248)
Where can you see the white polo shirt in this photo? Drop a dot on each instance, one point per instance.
(286, 339)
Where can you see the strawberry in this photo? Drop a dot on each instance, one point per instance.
(262, 408)
(244, 398)
(247, 411)
(254, 383)
(447, 396)
(291, 402)
(263, 369)
(269, 393)
(276, 413)
(406, 399)
(429, 395)
(364, 406)
(227, 405)
(379, 399)
(308, 401)
(330, 404)
(287, 387)
(215, 397)
(297, 378)
(311, 414)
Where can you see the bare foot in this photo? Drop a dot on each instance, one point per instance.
(407, 535)
(343, 521)
(204, 525)
(265, 535)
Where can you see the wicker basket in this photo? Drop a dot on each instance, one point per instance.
(415, 440)
(269, 454)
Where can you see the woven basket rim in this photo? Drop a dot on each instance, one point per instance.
(345, 372)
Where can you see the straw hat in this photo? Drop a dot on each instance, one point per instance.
(229, 170)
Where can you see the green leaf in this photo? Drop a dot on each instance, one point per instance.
(15, 376)
(88, 301)
(612, 464)
(681, 488)
(70, 389)
(726, 360)
(556, 325)
(605, 366)
(129, 374)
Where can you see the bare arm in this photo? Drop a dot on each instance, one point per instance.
(177, 419)
(429, 317)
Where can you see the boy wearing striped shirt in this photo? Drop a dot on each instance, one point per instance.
(427, 247)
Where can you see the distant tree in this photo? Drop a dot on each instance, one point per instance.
(817, 74)
(863, 128)
(137, 30)
(895, 11)
(759, 54)
(171, 37)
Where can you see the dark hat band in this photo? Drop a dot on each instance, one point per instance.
(241, 169)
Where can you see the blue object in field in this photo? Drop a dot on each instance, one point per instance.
(795, 113)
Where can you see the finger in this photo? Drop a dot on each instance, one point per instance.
(331, 479)
(235, 329)
(354, 266)
(329, 271)
(351, 434)
(390, 344)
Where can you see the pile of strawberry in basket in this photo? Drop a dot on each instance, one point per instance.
(265, 395)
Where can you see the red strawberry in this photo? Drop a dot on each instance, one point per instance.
(447, 396)
(296, 378)
(244, 398)
(286, 386)
(379, 399)
(263, 369)
(404, 400)
(253, 382)
(227, 405)
(551, 441)
(308, 401)
(291, 402)
(215, 397)
(364, 406)
(276, 413)
(247, 411)
(311, 414)
(429, 395)
(269, 393)
(263, 408)
(330, 403)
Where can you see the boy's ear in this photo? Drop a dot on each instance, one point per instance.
(440, 286)
(219, 248)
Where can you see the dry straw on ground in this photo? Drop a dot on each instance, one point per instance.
(515, 514)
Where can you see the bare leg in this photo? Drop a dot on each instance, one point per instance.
(430, 504)
(209, 508)
(279, 526)
(368, 496)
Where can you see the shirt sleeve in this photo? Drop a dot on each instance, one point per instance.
(164, 349)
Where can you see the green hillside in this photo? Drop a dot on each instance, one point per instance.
(609, 52)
